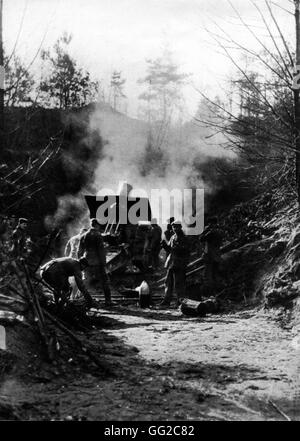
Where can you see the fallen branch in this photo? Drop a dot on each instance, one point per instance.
(84, 349)
(279, 411)
(39, 316)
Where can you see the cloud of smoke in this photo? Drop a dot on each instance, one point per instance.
(81, 152)
(107, 147)
(131, 156)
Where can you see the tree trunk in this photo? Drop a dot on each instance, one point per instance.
(1, 83)
(297, 100)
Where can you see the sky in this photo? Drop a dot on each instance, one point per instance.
(121, 34)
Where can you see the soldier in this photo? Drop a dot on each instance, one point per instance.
(91, 247)
(155, 243)
(21, 240)
(71, 249)
(56, 273)
(212, 239)
(169, 231)
(178, 249)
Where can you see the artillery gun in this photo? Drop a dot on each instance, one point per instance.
(125, 222)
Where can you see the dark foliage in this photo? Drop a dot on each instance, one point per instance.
(73, 152)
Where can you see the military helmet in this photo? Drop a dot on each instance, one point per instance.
(176, 223)
(22, 220)
(94, 222)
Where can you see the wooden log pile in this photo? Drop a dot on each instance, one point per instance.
(22, 303)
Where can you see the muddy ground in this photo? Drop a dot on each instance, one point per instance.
(164, 366)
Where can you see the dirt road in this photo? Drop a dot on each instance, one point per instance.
(165, 366)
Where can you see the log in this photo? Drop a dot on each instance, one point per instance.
(193, 308)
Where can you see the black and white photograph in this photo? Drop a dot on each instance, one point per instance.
(149, 213)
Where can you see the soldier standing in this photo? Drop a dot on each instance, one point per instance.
(91, 247)
(178, 249)
(169, 231)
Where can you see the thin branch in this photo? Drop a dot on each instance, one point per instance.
(256, 55)
(285, 72)
(274, 41)
(286, 10)
(237, 119)
(27, 196)
(18, 34)
(30, 64)
(280, 33)
(253, 85)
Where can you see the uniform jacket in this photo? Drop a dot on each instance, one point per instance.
(168, 234)
(178, 247)
(91, 247)
(63, 268)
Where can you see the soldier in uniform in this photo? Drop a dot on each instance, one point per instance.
(178, 249)
(20, 239)
(169, 231)
(71, 249)
(56, 273)
(91, 247)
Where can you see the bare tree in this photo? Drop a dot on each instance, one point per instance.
(257, 115)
